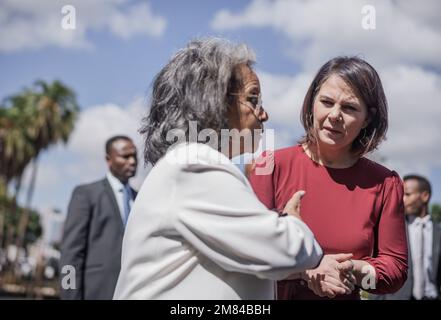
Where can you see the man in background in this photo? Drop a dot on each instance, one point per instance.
(94, 226)
(424, 238)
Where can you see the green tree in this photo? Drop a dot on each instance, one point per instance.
(30, 122)
(54, 117)
(16, 146)
(12, 218)
(16, 151)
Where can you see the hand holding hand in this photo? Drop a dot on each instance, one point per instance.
(333, 276)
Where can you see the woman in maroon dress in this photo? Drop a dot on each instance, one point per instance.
(352, 204)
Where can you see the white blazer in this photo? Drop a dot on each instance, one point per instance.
(197, 231)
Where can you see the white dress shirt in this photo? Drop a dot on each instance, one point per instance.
(416, 226)
(117, 188)
(197, 231)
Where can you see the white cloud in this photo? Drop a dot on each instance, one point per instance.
(138, 19)
(82, 160)
(319, 30)
(97, 123)
(35, 24)
(282, 96)
(414, 97)
(427, 13)
(95, 126)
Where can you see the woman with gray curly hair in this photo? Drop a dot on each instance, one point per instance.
(196, 229)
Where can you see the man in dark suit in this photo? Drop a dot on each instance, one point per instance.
(424, 239)
(94, 227)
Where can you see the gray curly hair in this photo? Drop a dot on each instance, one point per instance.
(193, 86)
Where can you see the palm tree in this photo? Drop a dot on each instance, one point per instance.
(54, 114)
(16, 151)
(16, 147)
(30, 122)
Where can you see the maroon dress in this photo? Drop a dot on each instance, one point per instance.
(355, 210)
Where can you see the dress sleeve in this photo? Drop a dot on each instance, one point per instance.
(390, 258)
(262, 180)
(218, 214)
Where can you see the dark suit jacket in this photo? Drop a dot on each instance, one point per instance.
(405, 293)
(92, 241)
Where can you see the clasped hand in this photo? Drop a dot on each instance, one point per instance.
(333, 276)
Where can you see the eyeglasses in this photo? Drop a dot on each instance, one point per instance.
(255, 100)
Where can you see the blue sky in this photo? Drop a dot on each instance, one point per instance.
(118, 46)
(117, 69)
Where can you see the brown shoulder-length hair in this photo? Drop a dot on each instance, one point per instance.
(366, 83)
